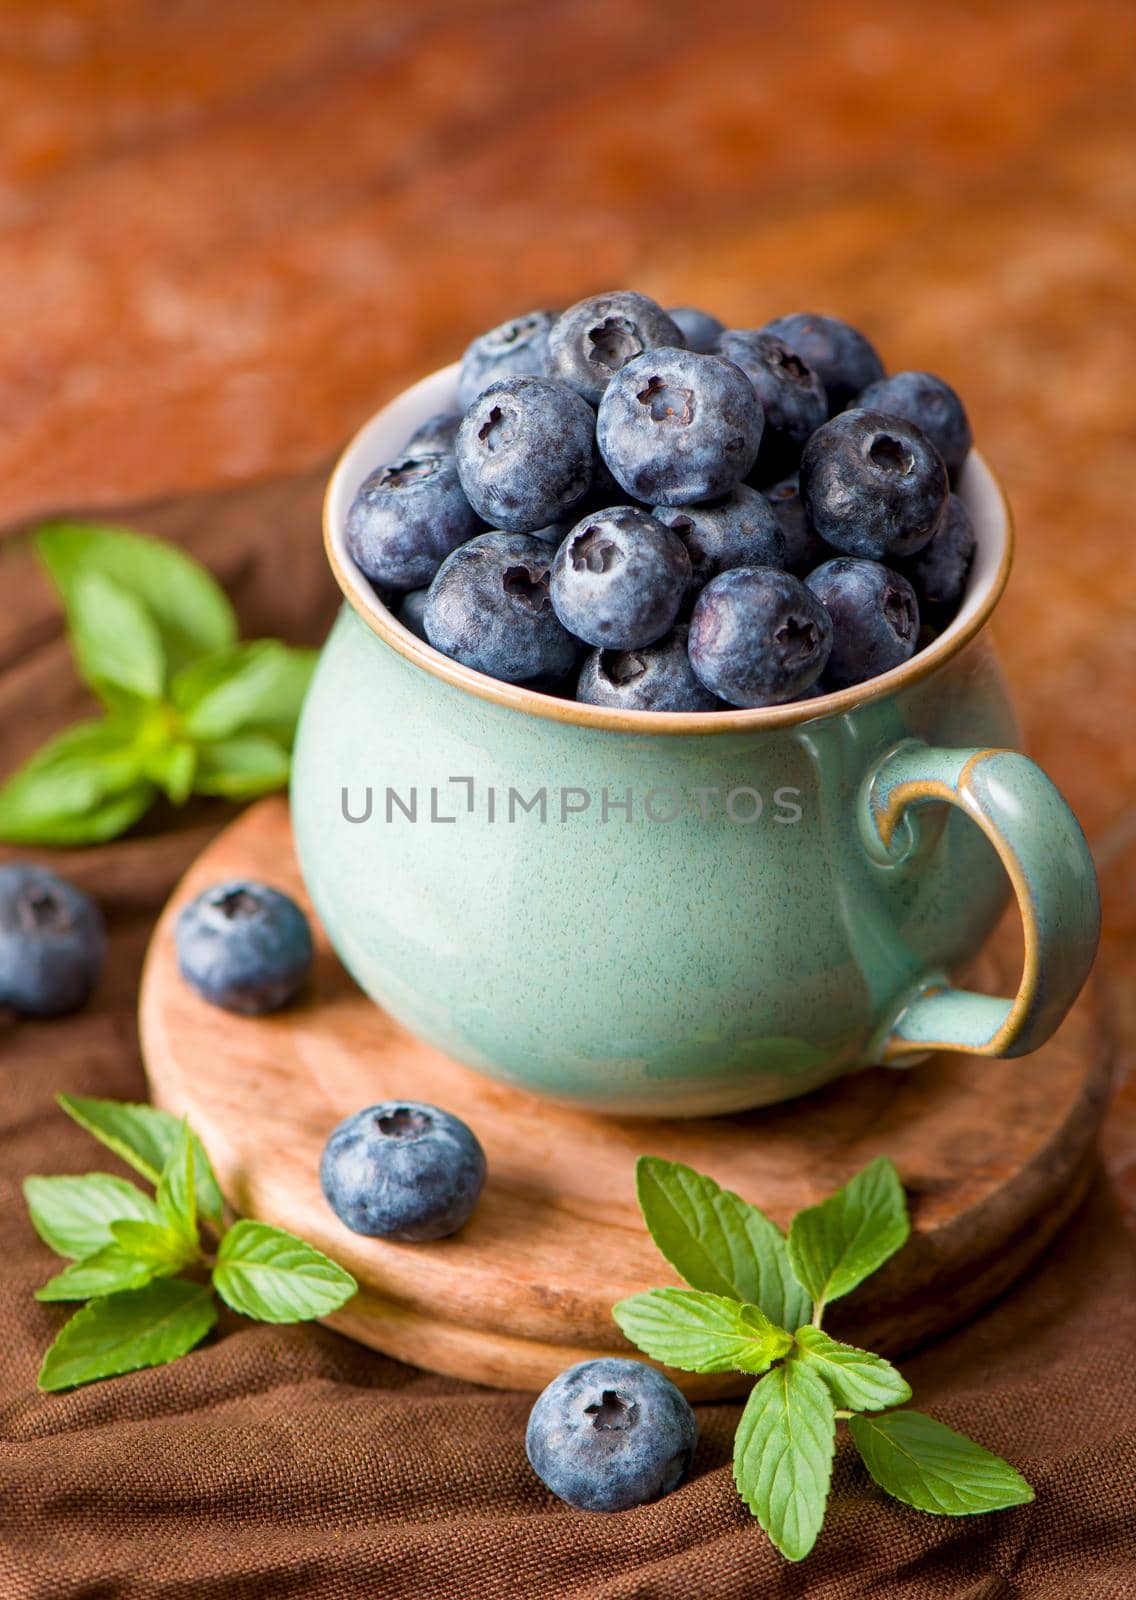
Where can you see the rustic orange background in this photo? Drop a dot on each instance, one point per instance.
(228, 232)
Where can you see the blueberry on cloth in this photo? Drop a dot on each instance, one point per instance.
(609, 1434)
(52, 942)
(873, 485)
(403, 1170)
(875, 618)
(593, 339)
(758, 637)
(619, 579)
(244, 947)
(489, 607)
(515, 349)
(525, 453)
(406, 518)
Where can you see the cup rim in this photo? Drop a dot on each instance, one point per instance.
(437, 392)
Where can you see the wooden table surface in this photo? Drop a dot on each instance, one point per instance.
(229, 233)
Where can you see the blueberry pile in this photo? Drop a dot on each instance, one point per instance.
(646, 510)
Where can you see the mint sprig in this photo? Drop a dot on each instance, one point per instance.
(126, 1247)
(189, 709)
(749, 1286)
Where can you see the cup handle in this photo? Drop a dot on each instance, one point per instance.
(1045, 853)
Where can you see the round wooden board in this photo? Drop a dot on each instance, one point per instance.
(994, 1156)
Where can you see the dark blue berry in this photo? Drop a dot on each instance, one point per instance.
(791, 394)
(931, 404)
(873, 484)
(553, 532)
(489, 607)
(675, 426)
(593, 339)
(406, 518)
(938, 573)
(619, 579)
(700, 330)
(436, 437)
(875, 618)
(413, 610)
(609, 1434)
(658, 677)
(51, 942)
(525, 453)
(804, 548)
(758, 637)
(403, 1170)
(515, 349)
(244, 947)
(738, 530)
(843, 360)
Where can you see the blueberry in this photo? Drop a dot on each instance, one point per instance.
(412, 611)
(931, 404)
(609, 1434)
(804, 548)
(244, 947)
(619, 579)
(403, 1170)
(700, 330)
(436, 437)
(515, 349)
(674, 426)
(406, 518)
(875, 618)
(938, 573)
(843, 360)
(553, 532)
(737, 530)
(51, 942)
(791, 394)
(489, 607)
(659, 677)
(525, 453)
(594, 338)
(873, 484)
(758, 637)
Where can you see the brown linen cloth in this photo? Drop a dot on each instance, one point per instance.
(290, 1462)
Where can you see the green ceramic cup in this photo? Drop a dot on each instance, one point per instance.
(681, 914)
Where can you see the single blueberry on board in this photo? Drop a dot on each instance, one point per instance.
(525, 453)
(700, 330)
(412, 612)
(674, 426)
(403, 1170)
(609, 1434)
(619, 579)
(244, 947)
(592, 340)
(406, 518)
(515, 349)
(804, 548)
(657, 677)
(436, 437)
(875, 618)
(939, 571)
(931, 404)
(842, 358)
(489, 607)
(52, 942)
(873, 485)
(738, 530)
(791, 394)
(758, 637)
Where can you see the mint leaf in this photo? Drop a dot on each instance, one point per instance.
(116, 643)
(172, 766)
(242, 767)
(931, 1467)
(73, 1215)
(859, 1381)
(160, 1248)
(783, 1456)
(191, 611)
(138, 1328)
(144, 1138)
(717, 1241)
(82, 787)
(107, 1271)
(258, 686)
(701, 1332)
(837, 1244)
(177, 1187)
(275, 1277)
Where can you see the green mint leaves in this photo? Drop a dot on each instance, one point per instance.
(126, 1247)
(188, 707)
(755, 1304)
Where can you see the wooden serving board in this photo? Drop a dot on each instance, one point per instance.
(994, 1156)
